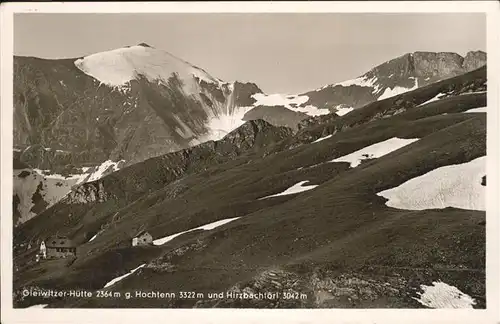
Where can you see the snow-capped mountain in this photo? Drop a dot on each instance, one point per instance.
(116, 68)
(128, 104)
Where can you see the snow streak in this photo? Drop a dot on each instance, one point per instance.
(205, 227)
(375, 151)
(296, 188)
(112, 282)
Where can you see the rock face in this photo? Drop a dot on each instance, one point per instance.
(431, 66)
(93, 192)
(276, 115)
(255, 133)
(401, 74)
(474, 60)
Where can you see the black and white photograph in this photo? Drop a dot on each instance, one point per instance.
(248, 160)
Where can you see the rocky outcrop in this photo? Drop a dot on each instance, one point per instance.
(91, 192)
(437, 65)
(276, 115)
(474, 60)
(243, 93)
(254, 134)
(279, 288)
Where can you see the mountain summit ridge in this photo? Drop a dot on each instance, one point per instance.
(403, 73)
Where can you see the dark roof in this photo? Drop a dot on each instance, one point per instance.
(58, 241)
(142, 233)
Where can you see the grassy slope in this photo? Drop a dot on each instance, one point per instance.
(343, 224)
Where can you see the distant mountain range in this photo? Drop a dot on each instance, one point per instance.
(76, 120)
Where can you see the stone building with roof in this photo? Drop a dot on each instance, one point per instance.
(57, 247)
(142, 238)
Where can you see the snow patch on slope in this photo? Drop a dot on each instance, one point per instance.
(362, 81)
(108, 166)
(391, 92)
(279, 100)
(205, 227)
(323, 138)
(117, 67)
(441, 295)
(375, 151)
(112, 282)
(296, 188)
(311, 110)
(222, 123)
(291, 102)
(44, 173)
(435, 98)
(38, 306)
(476, 110)
(457, 186)
(341, 111)
(92, 238)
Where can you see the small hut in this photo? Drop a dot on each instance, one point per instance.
(142, 238)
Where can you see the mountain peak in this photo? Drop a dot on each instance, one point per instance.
(117, 67)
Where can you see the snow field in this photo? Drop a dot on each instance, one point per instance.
(457, 185)
(375, 151)
(442, 295)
